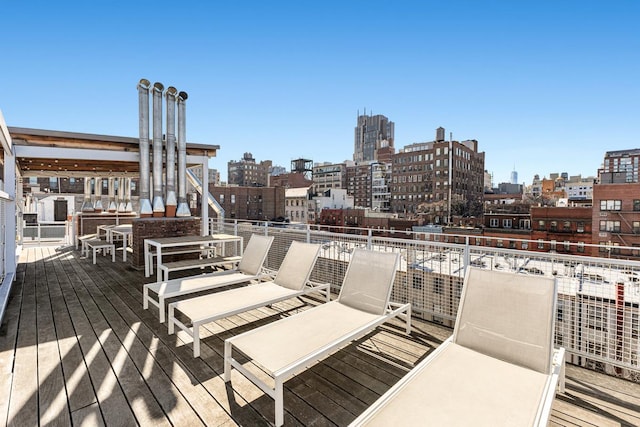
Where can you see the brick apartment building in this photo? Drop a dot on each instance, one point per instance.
(561, 229)
(616, 205)
(438, 179)
(253, 203)
(248, 173)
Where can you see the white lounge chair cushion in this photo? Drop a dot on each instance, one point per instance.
(297, 265)
(216, 305)
(282, 343)
(254, 254)
(368, 277)
(518, 326)
(462, 387)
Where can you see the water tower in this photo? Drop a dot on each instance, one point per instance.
(303, 166)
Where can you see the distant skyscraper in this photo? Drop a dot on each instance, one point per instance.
(371, 134)
(514, 176)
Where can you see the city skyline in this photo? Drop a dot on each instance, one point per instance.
(543, 86)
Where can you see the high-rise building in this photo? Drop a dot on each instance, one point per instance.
(438, 179)
(371, 134)
(514, 177)
(248, 173)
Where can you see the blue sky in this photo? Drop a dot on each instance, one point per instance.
(545, 86)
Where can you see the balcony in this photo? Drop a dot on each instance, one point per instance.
(76, 346)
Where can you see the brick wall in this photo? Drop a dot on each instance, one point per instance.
(148, 228)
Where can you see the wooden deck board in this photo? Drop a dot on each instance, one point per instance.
(77, 348)
(52, 393)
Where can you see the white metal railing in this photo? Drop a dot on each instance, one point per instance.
(47, 231)
(598, 302)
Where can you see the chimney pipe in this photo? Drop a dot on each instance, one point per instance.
(143, 101)
(97, 207)
(127, 195)
(87, 206)
(171, 202)
(111, 189)
(158, 202)
(121, 197)
(183, 206)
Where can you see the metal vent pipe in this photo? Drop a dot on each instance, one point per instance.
(171, 201)
(127, 195)
(121, 196)
(183, 206)
(111, 190)
(143, 101)
(98, 192)
(87, 206)
(158, 202)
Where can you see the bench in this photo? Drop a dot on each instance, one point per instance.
(82, 239)
(97, 244)
(188, 264)
(176, 251)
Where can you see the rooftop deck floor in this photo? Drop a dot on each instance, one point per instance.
(76, 348)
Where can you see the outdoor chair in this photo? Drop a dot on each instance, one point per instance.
(249, 268)
(499, 368)
(292, 280)
(284, 348)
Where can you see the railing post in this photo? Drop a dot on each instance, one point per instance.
(467, 254)
(266, 228)
(235, 227)
(369, 239)
(308, 233)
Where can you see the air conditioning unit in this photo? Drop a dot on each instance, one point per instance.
(603, 214)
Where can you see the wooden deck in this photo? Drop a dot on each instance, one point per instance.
(76, 348)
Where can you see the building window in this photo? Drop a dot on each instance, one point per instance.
(610, 226)
(233, 198)
(437, 285)
(636, 204)
(581, 247)
(596, 317)
(636, 227)
(541, 225)
(525, 245)
(567, 245)
(494, 222)
(553, 226)
(610, 205)
(506, 223)
(525, 224)
(540, 244)
(560, 314)
(580, 227)
(566, 226)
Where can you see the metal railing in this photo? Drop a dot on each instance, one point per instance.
(47, 231)
(598, 298)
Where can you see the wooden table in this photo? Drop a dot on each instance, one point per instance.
(205, 242)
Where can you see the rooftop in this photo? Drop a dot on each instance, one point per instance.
(76, 347)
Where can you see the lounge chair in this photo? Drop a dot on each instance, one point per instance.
(284, 348)
(292, 280)
(249, 268)
(498, 368)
